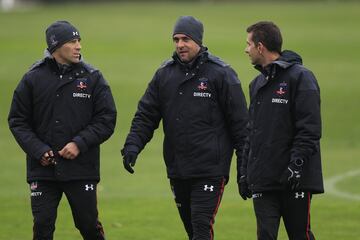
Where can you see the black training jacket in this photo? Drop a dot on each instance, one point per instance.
(204, 116)
(51, 108)
(285, 124)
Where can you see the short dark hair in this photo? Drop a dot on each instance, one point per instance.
(268, 34)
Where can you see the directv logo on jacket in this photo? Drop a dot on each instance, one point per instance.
(81, 86)
(202, 87)
(81, 95)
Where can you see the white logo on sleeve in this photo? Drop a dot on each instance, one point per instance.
(211, 188)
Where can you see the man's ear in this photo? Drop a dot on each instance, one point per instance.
(260, 47)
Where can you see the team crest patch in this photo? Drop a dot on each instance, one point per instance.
(53, 40)
(33, 186)
(282, 89)
(203, 84)
(81, 84)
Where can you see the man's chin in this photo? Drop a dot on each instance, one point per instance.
(184, 59)
(254, 62)
(75, 60)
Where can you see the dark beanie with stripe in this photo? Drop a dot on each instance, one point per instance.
(191, 27)
(59, 33)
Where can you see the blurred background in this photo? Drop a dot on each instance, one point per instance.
(128, 41)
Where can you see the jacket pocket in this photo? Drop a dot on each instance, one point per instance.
(202, 111)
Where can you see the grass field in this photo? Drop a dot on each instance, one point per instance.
(128, 42)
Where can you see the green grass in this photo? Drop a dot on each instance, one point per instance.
(128, 42)
(347, 185)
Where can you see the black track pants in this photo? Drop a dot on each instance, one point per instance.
(198, 201)
(81, 195)
(293, 207)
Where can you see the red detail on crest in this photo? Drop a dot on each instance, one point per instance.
(33, 186)
(82, 85)
(280, 91)
(202, 86)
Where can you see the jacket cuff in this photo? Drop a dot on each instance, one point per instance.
(80, 143)
(39, 153)
(131, 148)
(297, 163)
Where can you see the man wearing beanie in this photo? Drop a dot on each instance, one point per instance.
(201, 104)
(62, 110)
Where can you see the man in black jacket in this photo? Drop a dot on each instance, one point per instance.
(282, 167)
(200, 101)
(62, 110)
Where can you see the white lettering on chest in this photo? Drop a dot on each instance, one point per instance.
(279, 100)
(81, 95)
(202, 94)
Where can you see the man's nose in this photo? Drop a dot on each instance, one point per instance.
(180, 44)
(78, 45)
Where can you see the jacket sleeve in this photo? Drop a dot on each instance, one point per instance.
(146, 119)
(307, 118)
(20, 121)
(242, 160)
(103, 121)
(235, 110)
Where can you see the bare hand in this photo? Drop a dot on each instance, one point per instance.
(69, 151)
(47, 158)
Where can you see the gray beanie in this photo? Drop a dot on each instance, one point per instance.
(59, 33)
(191, 27)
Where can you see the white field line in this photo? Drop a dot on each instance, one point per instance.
(331, 188)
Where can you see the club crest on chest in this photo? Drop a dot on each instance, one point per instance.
(282, 89)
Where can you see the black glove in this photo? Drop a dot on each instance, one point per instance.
(129, 160)
(243, 187)
(292, 175)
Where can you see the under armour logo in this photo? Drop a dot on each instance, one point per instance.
(211, 188)
(75, 34)
(89, 187)
(299, 194)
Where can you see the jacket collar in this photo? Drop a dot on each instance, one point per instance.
(203, 54)
(61, 68)
(287, 59)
